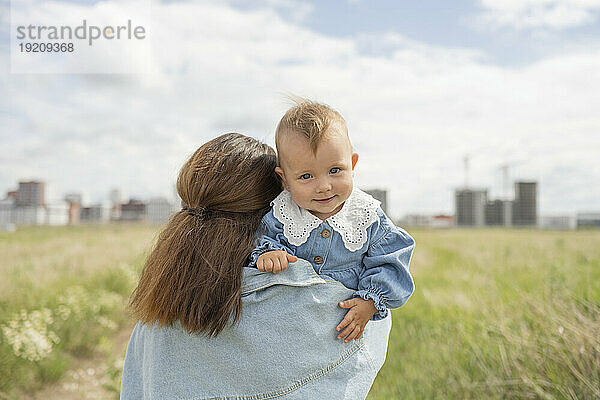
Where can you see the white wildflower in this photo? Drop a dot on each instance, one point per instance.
(118, 364)
(70, 386)
(76, 300)
(29, 335)
(63, 312)
(107, 323)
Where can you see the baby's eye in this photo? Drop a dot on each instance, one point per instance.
(305, 176)
(334, 170)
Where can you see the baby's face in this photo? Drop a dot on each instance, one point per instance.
(321, 182)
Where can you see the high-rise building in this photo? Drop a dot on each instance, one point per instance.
(31, 193)
(525, 204)
(470, 207)
(494, 213)
(498, 212)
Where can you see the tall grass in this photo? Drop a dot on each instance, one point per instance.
(506, 314)
(62, 295)
(498, 314)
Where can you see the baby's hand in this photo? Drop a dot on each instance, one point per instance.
(274, 261)
(356, 318)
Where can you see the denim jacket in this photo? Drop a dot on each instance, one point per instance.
(284, 346)
(359, 247)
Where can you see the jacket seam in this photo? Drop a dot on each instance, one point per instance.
(311, 271)
(385, 233)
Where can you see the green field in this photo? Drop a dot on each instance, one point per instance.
(496, 313)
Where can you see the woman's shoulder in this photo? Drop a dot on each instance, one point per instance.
(287, 322)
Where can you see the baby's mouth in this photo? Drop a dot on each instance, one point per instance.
(325, 201)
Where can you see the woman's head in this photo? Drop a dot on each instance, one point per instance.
(193, 274)
(230, 173)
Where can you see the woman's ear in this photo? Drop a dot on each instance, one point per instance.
(279, 172)
(354, 160)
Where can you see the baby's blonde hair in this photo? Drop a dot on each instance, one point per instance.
(311, 119)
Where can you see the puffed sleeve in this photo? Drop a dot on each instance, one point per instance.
(270, 237)
(385, 277)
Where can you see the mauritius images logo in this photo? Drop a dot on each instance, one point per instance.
(85, 31)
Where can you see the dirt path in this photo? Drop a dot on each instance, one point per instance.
(87, 378)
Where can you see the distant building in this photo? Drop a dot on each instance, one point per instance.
(498, 213)
(49, 214)
(470, 207)
(557, 222)
(95, 213)
(31, 193)
(158, 210)
(416, 220)
(7, 207)
(494, 213)
(75, 201)
(134, 210)
(427, 221)
(74, 213)
(525, 205)
(74, 198)
(588, 220)
(442, 221)
(57, 213)
(380, 195)
(29, 215)
(116, 199)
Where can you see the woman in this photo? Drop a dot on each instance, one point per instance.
(211, 328)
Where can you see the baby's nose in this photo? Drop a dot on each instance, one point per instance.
(324, 185)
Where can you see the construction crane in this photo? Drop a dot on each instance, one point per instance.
(505, 176)
(466, 165)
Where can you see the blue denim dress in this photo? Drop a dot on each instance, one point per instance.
(359, 247)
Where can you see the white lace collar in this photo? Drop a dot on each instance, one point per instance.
(351, 222)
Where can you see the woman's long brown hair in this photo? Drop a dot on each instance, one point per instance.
(194, 273)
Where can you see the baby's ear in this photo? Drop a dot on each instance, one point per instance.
(279, 172)
(354, 160)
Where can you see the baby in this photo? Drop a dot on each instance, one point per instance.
(322, 218)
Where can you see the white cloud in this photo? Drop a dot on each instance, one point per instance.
(538, 14)
(413, 110)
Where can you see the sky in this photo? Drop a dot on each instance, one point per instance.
(422, 85)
